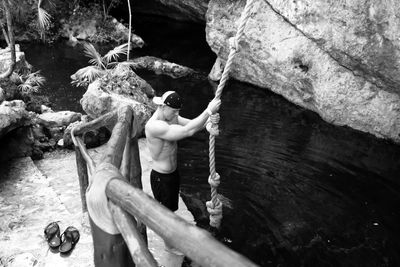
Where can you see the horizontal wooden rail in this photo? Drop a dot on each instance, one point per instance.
(107, 119)
(194, 242)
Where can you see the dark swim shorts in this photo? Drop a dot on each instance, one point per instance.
(165, 188)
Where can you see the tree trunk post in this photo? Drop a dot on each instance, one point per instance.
(82, 175)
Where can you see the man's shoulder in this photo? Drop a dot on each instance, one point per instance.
(154, 127)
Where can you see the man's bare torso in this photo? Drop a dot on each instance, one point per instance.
(162, 152)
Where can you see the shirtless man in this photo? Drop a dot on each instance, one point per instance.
(163, 130)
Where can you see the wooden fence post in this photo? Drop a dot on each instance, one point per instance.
(135, 179)
(82, 175)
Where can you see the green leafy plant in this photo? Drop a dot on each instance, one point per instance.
(44, 19)
(31, 83)
(100, 64)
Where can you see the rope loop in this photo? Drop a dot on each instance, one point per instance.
(212, 124)
(214, 118)
(214, 181)
(214, 209)
(215, 212)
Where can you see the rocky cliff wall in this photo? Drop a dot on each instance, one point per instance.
(340, 59)
(183, 10)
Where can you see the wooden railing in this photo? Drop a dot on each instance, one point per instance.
(131, 208)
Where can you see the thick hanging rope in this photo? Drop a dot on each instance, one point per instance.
(214, 207)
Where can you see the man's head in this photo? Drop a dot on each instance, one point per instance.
(169, 98)
(170, 103)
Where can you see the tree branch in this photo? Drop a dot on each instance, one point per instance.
(11, 45)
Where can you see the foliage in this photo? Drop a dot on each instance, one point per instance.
(24, 15)
(100, 64)
(44, 19)
(31, 83)
(105, 25)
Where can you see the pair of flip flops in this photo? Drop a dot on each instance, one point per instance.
(65, 242)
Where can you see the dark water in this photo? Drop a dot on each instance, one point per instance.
(302, 192)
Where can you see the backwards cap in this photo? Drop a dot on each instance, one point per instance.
(169, 98)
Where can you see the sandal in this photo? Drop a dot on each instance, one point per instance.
(52, 235)
(69, 239)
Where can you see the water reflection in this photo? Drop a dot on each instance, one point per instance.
(304, 192)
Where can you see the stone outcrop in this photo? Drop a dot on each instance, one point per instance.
(338, 59)
(58, 119)
(183, 10)
(22, 66)
(88, 24)
(53, 124)
(16, 139)
(12, 116)
(161, 66)
(119, 87)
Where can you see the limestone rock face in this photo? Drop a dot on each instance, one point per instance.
(59, 119)
(119, 87)
(13, 115)
(5, 60)
(88, 24)
(361, 35)
(193, 9)
(337, 59)
(183, 10)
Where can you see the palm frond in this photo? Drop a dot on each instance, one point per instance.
(35, 78)
(116, 52)
(43, 19)
(95, 57)
(51, 4)
(112, 65)
(87, 74)
(27, 88)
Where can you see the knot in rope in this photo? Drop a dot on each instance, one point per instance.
(214, 118)
(215, 211)
(212, 125)
(214, 181)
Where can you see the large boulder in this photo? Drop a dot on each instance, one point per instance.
(89, 24)
(12, 116)
(58, 119)
(183, 10)
(54, 125)
(16, 139)
(22, 66)
(339, 60)
(161, 66)
(119, 87)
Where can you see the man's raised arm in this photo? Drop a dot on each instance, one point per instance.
(175, 132)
